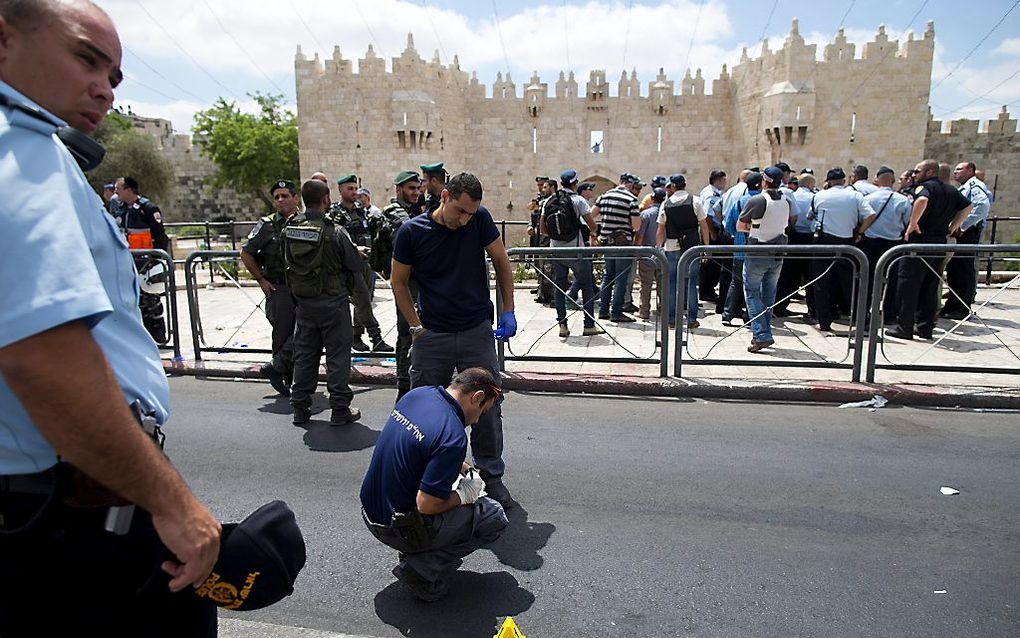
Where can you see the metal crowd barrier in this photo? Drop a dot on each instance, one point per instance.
(837, 250)
(993, 221)
(169, 294)
(213, 258)
(881, 281)
(598, 251)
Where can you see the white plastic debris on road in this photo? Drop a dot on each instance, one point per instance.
(948, 491)
(940, 591)
(877, 401)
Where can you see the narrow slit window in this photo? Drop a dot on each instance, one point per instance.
(658, 142)
(853, 123)
(405, 119)
(534, 139)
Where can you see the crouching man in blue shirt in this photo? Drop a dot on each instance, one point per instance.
(419, 496)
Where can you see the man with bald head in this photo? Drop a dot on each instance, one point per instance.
(78, 371)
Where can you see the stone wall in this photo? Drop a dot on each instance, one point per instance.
(785, 105)
(995, 148)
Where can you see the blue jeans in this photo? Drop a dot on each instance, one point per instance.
(761, 276)
(582, 279)
(673, 259)
(617, 271)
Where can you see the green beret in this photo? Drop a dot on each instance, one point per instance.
(433, 168)
(283, 183)
(542, 178)
(349, 178)
(406, 176)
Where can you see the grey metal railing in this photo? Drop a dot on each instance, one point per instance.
(914, 251)
(993, 221)
(838, 251)
(170, 295)
(592, 252)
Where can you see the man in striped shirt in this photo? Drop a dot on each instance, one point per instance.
(619, 217)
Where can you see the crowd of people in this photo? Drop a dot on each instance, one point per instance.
(929, 204)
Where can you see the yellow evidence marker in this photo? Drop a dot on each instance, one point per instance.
(509, 630)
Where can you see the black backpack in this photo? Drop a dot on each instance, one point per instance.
(561, 222)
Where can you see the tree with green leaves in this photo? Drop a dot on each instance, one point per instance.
(250, 151)
(131, 152)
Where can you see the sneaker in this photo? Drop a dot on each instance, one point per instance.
(630, 308)
(759, 345)
(495, 490)
(359, 345)
(781, 312)
(709, 296)
(897, 333)
(604, 316)
(378, 345)
(622, 319)
(564, 331)
(343, 416)
(302, 415)
(275, 379)
(421, 588)
(953, 314)
(691, 325)
(592, 331)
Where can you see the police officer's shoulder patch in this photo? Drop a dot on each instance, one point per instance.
(919, 189)
(258, 227)
(157, 216)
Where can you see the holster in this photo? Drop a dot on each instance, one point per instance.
(412, 528)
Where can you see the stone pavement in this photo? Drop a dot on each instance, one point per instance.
(231, 319)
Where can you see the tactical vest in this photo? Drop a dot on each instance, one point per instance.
(270, 258)
(682, 222)
(312, 257)
(772, 224)
(383, 231)
(355, 221)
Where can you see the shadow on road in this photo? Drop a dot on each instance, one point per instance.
(320, 436)
(475, 603)
(520, 542)
(279, 404)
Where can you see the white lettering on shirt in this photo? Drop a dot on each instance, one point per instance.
(409, 425)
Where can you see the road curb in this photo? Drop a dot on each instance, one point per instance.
(814, 392)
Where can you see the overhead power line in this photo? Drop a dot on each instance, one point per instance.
(307, 28)
(690, 43)
(768, 22)
(983, 96)
(185, 51)
(368, 28)
(242, 49)
(163, 77)
(976, 46)
(499, 32)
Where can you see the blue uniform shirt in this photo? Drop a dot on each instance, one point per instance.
(421, 447)
(449, 267)
(709, 196)
(839, 210)
(895, 216)
(976, 193)
(62, 259)
(802, 207)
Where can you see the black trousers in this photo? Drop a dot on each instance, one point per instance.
(725, 265)
(961, 273)
(322, 322)
(280, 311)
(919, 290)
(874, 249)
(70, 577)
(711, 271)
(837, 286)
(795, 272)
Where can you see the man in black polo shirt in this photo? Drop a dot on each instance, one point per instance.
(419, 496)
(939, 210)
(451, 328)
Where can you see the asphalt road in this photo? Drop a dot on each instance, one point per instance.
(646, 517)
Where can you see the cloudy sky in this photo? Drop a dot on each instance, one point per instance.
(180, 55)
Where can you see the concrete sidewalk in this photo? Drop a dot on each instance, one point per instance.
(230, 319)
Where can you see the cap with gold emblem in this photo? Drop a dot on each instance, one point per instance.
(283, 183)
(349, 178)
(433, 168)
(406, 176)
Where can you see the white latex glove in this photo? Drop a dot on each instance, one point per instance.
(469, 487)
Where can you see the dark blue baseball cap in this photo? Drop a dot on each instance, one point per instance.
(568, 177)
(659, 195)
(773, 176)
(658, 181)
(678, 180)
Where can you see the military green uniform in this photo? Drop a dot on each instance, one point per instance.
(264, 244)
(356, 222)
(322, 265)
(395, 214)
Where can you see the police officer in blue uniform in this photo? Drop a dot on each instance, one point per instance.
(892, 214)
(262, 255)
(352, 216)
(961, 271)
(938, 211)
(323, 272)
(840, 213)
(74, 358)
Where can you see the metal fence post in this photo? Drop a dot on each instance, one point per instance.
(190, 285)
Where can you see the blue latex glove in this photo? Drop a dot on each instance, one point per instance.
(506, 327)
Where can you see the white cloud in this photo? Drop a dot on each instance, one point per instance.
(1010, 46)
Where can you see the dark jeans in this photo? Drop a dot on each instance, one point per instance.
(455, 534)
(280, 307)
(961, 273)
(837, 285)
(70, 577)
(918, 290)
(404, 343)
(614, 285)
(583, 276)
(435, 356)
(322, 322)
(874, 249)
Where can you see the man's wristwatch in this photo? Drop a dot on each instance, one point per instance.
(416, 331)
